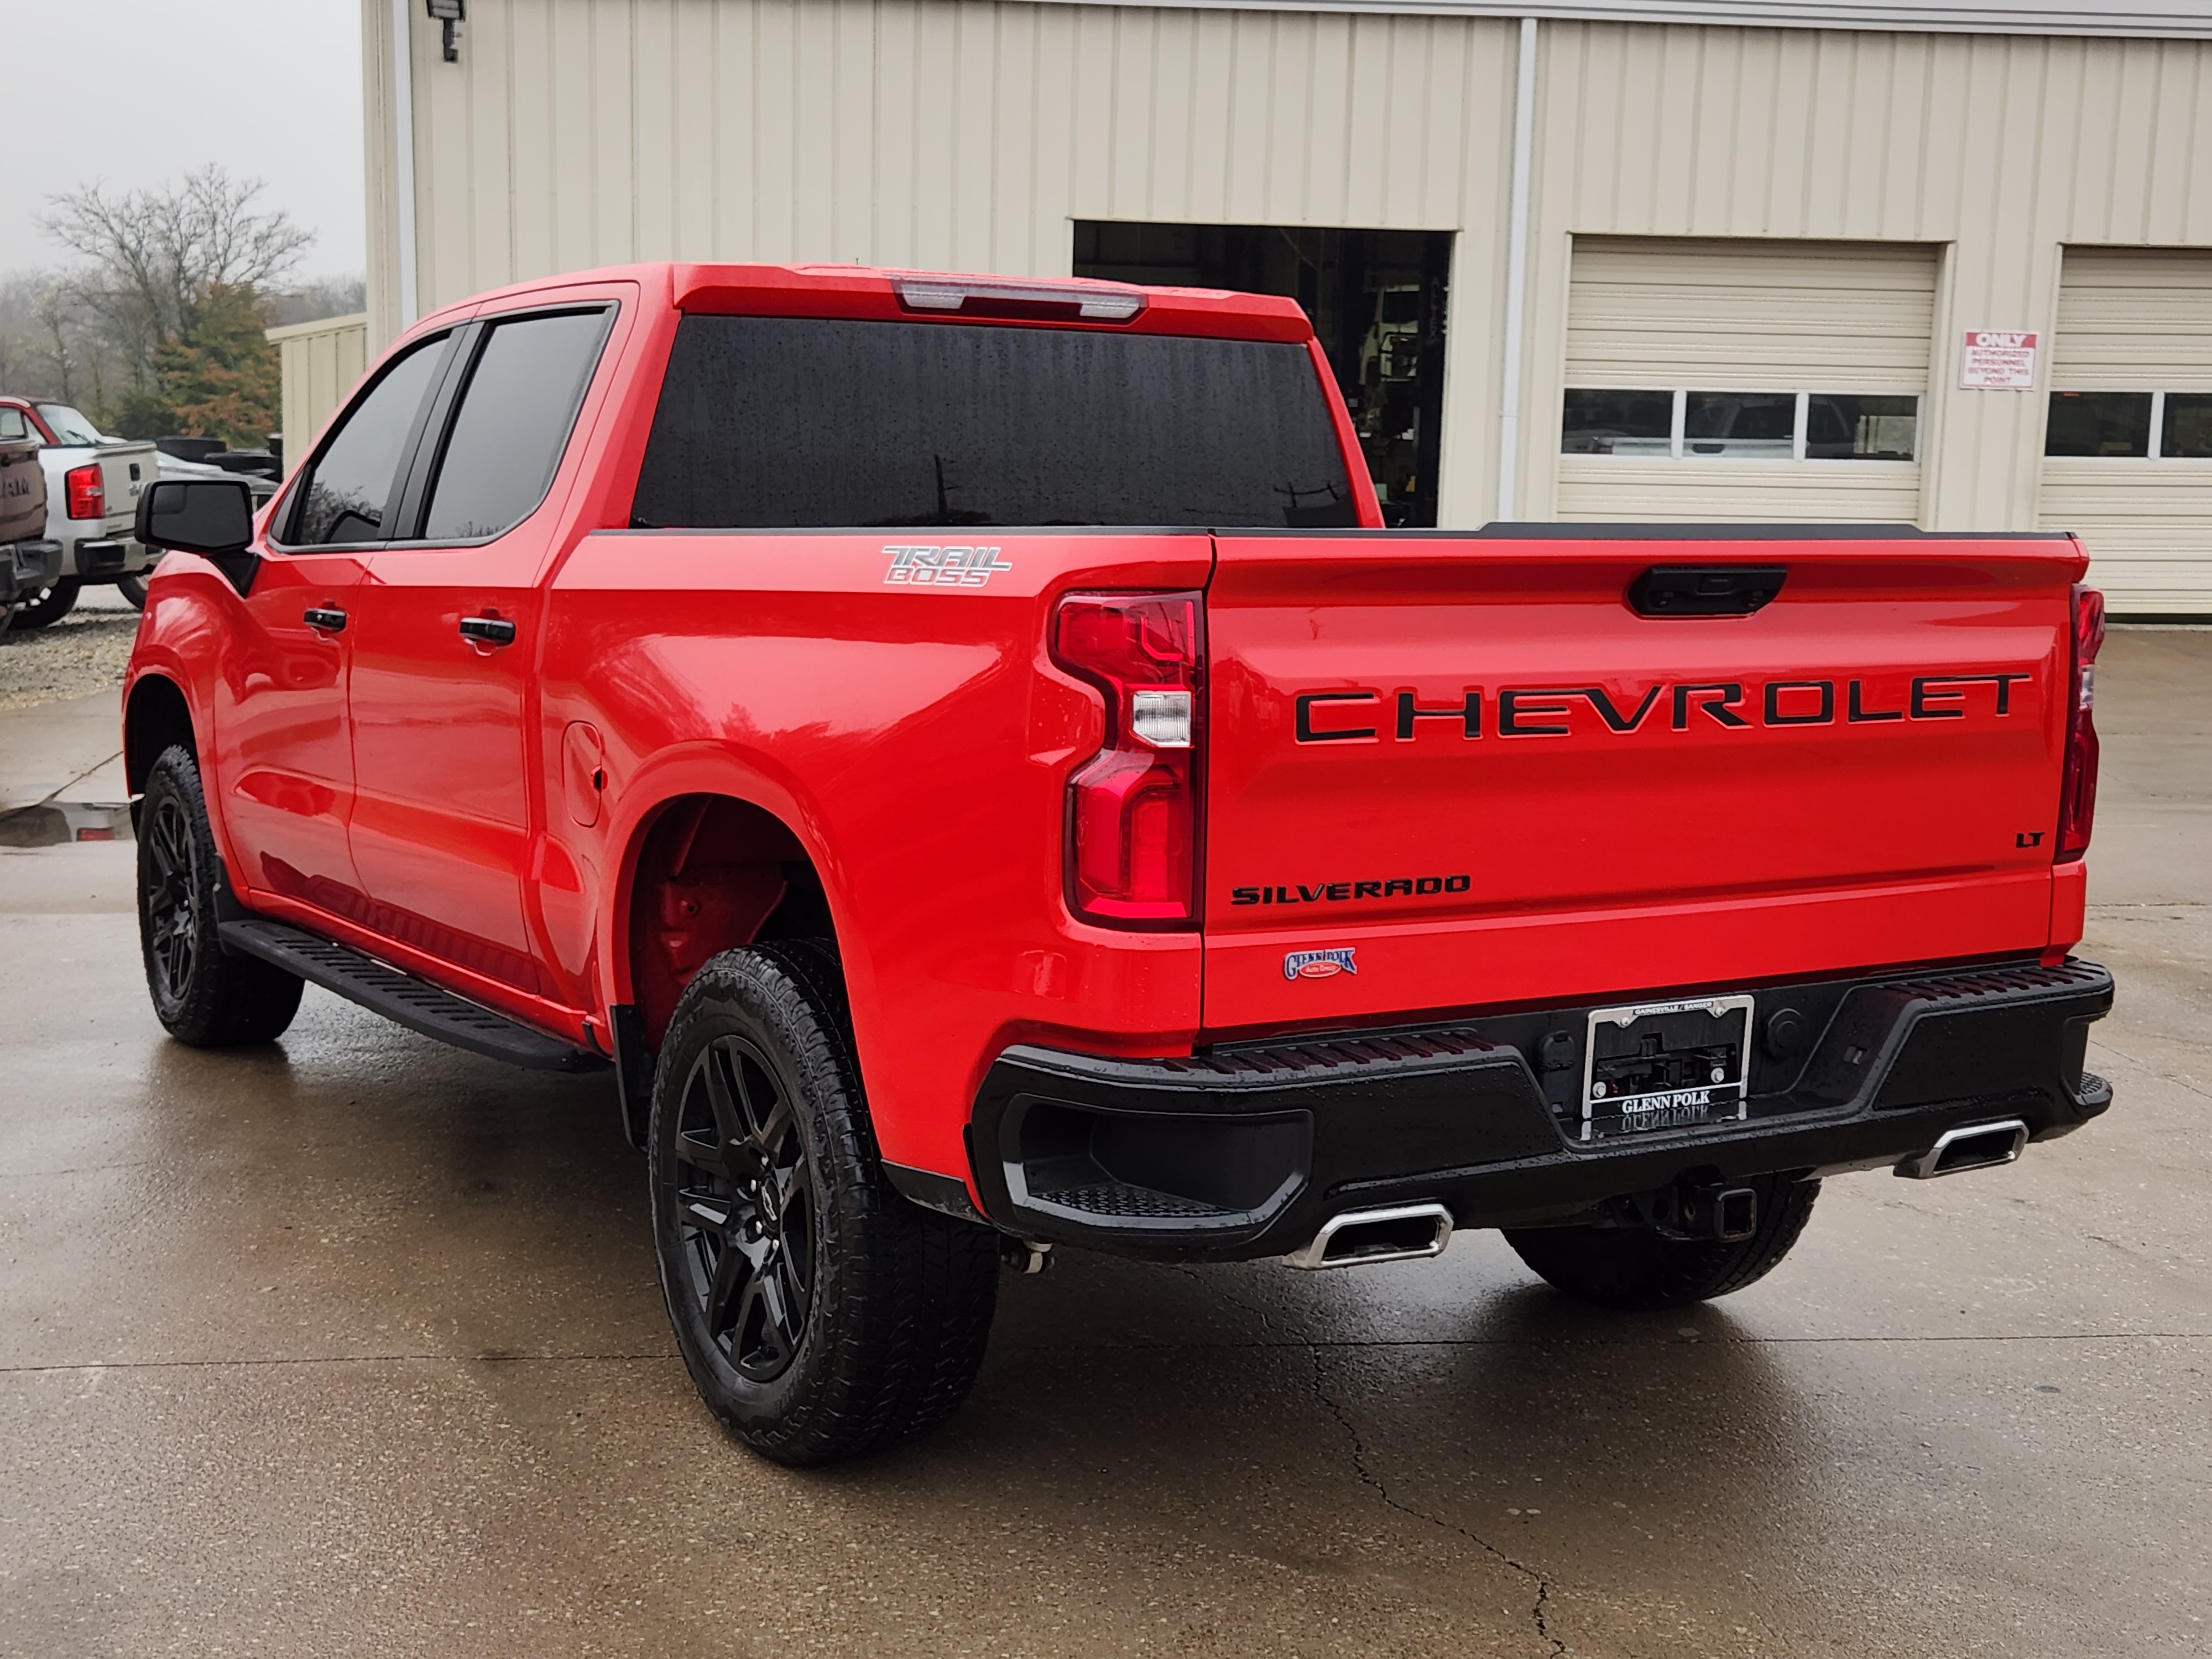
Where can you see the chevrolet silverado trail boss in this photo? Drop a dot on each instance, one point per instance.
(965, 753)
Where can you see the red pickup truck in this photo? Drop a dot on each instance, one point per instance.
(966, 755)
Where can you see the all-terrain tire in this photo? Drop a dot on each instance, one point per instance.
(49, 605)
(203, 994)
(821, 1315)
(1635, 1267)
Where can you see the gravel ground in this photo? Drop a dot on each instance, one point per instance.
(85, 652)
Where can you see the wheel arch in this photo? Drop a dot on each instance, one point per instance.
(156, 715)
(705, 870)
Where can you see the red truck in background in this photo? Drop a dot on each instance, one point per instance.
(966, 755)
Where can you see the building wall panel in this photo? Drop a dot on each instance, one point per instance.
(971, 132)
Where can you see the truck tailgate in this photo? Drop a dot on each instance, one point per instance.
(124, 469)
(1466, 772)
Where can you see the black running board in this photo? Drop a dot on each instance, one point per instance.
(397, 995)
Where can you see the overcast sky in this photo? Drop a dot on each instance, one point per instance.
(129, 93)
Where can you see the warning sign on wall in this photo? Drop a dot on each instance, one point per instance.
(1998, 360)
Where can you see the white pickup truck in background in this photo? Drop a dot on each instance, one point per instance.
(93, 483)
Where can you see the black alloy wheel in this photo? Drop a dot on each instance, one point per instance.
(169, 895)
(821, 1315)
(746, 1208)
(202, 993)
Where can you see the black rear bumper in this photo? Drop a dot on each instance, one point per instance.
(1246, 1151)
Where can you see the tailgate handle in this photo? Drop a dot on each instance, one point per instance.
(1704, 590)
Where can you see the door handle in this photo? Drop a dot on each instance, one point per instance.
(487, 630)
(325, 619)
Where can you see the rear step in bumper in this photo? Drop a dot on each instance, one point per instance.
(399, 995)
(1255, 1151)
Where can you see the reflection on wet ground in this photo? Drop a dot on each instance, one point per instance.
(53, 823)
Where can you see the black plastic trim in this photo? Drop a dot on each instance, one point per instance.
(634, 1069)
(934, 1191)
(1475, 1114)
(401, 996)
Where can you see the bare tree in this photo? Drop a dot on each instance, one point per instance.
(156, 255)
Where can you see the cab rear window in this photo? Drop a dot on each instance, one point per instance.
(796, 422)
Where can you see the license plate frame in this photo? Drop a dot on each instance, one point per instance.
(1613, 1113)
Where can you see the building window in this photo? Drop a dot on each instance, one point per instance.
(2185, 434)
(1853, 426)
(1682, 424)
(1619, 424)
(2155, 426)
(2098, 424)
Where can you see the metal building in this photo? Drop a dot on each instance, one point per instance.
(1629, 260)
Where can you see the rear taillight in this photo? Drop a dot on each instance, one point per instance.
(2077, 793)
(88, 494)
(1133, 810)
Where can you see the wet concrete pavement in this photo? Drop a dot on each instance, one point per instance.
(352, 1346)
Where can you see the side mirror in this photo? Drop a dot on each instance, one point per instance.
(209, 516)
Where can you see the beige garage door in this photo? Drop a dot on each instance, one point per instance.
(1744, 380)
(2127, 462)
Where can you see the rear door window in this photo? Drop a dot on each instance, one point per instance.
(13, 426)
(515, 415)
(800, 423)
(350, 489)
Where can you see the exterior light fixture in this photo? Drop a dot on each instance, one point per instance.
(448, 12)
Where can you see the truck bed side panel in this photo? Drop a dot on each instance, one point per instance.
(917, 740)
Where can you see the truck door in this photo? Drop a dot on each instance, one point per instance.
(442, 684)
(283, 759)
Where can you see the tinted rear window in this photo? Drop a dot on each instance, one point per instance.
(775, 423)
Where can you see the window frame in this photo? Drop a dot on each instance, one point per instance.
(284, 519)
(1678, 437)
(419, 478)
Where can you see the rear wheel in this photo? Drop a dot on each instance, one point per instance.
(1633, 1267)
(821, 1315)
(49, 604)
(203, 995)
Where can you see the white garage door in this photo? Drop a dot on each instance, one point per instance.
(2127, 461)
(1744, 380)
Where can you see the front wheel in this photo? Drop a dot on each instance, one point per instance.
(821, 1315)
(132, 588)
(1636, 1267)
(203, 995)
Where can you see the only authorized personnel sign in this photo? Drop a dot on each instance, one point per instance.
(1998, 360)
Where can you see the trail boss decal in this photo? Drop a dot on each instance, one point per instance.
(1555, 711)
(931, 566)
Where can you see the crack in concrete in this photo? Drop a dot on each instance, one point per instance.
(1212, 1283)
(1540, 1610)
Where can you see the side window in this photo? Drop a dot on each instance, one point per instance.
(13, 425)
(515, 415)
(349, 491)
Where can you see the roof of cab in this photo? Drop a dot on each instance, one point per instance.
(891, 295)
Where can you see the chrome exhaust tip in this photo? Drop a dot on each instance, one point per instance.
(1404, 1232)
(1969, 1146)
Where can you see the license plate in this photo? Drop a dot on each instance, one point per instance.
(1666, 1066)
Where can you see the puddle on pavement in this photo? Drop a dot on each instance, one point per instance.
(54, 823)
